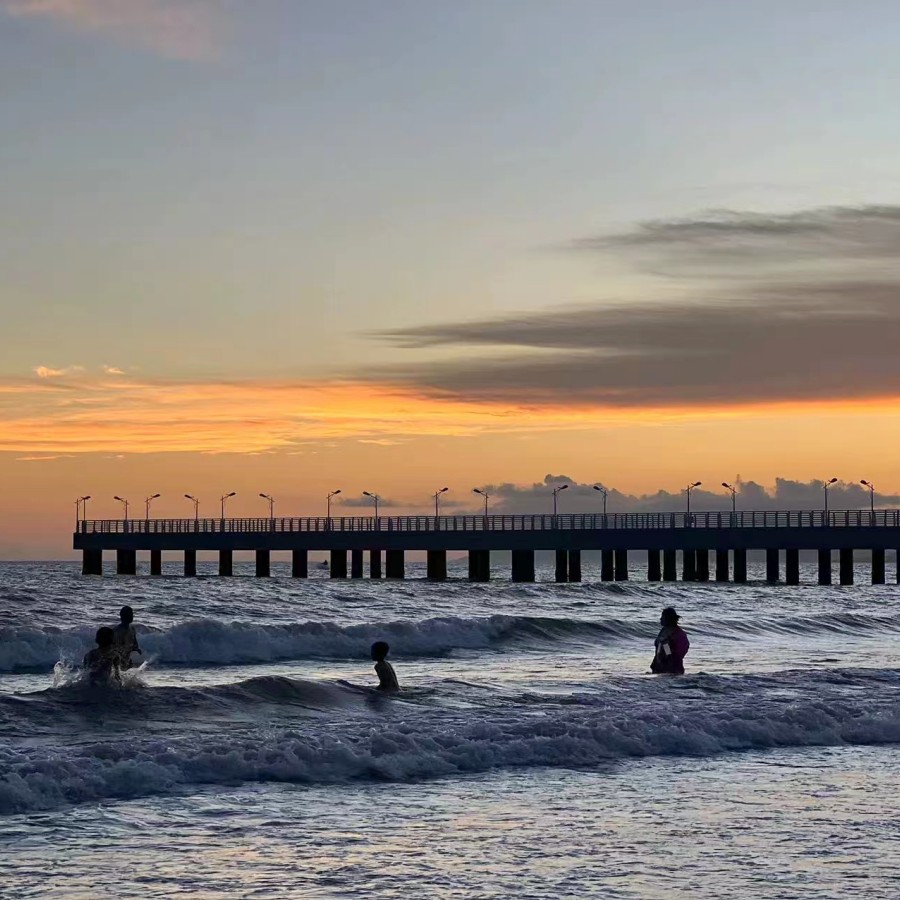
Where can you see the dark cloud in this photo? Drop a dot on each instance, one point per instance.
(827, 331)
(735, 240)
(582, 498)
(364, 502)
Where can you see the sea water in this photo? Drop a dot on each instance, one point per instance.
(529, 754)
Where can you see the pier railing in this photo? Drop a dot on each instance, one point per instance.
(852, 518)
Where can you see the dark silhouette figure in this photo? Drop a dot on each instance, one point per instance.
(125, 639)
(672, 645)
(387, 678)
(102, 663)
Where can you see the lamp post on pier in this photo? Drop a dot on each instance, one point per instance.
(437, 500)
(81, 507)
(328, 504)
(733, 491)
(147, 502)
(871, 488)
(196, 503)
(486, 496)
(556, 491)
(225, 497)
(124, 503)
(825, 487)
(375, 499)
(688, 490)
(605, 494)
(271, 504)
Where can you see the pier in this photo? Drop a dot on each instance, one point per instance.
(687, 546)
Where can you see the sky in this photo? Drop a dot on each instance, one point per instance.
(289, 246)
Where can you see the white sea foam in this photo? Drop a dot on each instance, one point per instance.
(651, 717)
(211, 642)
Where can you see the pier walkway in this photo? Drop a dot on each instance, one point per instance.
(673, 542)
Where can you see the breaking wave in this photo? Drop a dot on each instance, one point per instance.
(211, 642)
(696, 715)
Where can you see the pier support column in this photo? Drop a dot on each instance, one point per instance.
(740, 566)
(394, 564)
(824, 567)
(773, 567)
(721, 565)
(608, 568)
(702, 564)
(356, 564)
(574, 565)
(263, 563)
(654, 572)
(437, 565)
(688, 565)
(226, 562)
(338, 564)
(190, 563)
(846, 566)
(670, 565)
(621, 558)
(375, 564)
(478, 570)
(878, 567)
(91, 562)
(126, 562)
(523, 565)
(792, 566)
(562, 566)
(156, 562)
(299, 564)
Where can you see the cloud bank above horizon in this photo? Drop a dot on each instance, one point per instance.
(788, 308)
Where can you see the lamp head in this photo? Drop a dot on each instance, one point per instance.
(866, 483)
(337, 491)
(833, 480)
(119, 499)
(443, 490)
(563, 487)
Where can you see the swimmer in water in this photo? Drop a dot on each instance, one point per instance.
(125, 638)
(387, 677)
(671, 645)
(102, 663)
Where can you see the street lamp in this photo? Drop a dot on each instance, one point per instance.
(328, 502)
(733, 489)
(688, 490)
(225, 497)
(556, 491)
(825, 487)
(147, 502)
(871, 488)
(80, 503)
(484, 494)
(605, 493)
(271, 504)
(124, 503)
(196, 503)
(374, 497)
(437, 501)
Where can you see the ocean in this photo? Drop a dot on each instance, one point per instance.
(529, 754)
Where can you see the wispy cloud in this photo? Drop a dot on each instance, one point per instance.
(775, 309)
(42, 458)
(50, 372)
(180, 29)
(112, 370)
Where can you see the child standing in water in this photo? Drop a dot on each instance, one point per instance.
(672, 645)
(125, 638)
(387, 677)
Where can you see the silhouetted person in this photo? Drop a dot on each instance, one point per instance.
(387, 677)
(125, 639)
(102, 663)
(672, 645)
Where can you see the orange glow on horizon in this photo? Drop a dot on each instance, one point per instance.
(81, 414)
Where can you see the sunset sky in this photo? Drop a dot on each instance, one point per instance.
(297, 245)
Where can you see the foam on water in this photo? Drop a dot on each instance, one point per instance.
(211, 642)
(414, 740)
